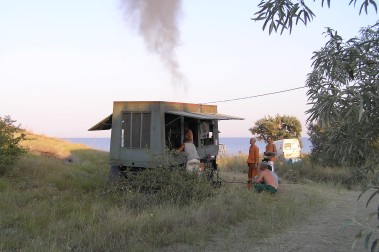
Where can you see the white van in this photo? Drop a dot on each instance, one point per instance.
(288, 150)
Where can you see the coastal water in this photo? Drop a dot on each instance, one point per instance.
(233, 145)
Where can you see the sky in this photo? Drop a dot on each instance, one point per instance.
(64, 63)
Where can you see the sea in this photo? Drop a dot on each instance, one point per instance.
(231, 145)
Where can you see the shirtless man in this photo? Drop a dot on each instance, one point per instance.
(266, 180)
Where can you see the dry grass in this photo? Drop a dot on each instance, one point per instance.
(302, 172)
(234, 163)
(51, 147)
(49, 204)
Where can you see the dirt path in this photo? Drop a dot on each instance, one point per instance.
(325, 230)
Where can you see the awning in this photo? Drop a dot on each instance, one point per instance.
(104, 124)
(205, 116)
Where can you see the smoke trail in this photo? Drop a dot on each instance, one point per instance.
(156, 21)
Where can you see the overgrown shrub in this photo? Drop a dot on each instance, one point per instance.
(10, 138)
(163, 186)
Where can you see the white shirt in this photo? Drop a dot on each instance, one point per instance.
(191, 152)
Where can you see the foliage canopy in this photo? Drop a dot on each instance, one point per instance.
(279, 15)
(278, 127)
(344, 94)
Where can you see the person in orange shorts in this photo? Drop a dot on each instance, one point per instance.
(252, 161)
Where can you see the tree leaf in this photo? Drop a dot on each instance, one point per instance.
(365, 189)
(367, 238)
(374, 4)
(371, 197)
(374, 245)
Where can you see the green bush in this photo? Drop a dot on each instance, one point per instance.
(10, 138)
(163, 186)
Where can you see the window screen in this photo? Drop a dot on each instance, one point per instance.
(136, 130)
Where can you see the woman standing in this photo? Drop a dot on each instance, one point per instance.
(193, 159)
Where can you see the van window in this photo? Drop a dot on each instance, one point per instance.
(287, 146)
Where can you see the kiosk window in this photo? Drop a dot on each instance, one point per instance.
(135, 131)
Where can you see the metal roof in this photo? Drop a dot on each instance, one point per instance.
(104, 124)
(205, 116)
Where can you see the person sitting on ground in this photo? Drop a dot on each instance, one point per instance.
(266, 180)
(273, 173)
(193, 159)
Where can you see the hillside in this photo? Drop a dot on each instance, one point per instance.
(51, 147)
(56, 198)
